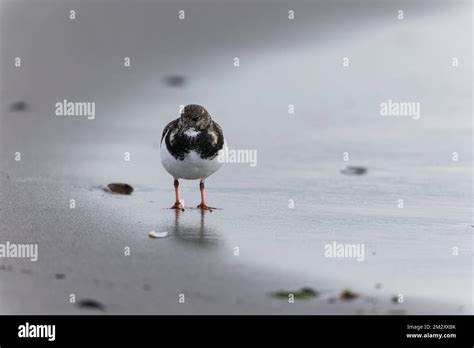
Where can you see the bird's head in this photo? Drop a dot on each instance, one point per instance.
(195, 116)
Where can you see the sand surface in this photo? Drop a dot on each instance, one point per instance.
(408, 250)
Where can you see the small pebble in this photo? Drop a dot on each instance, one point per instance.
(175, 80)
(90, 304)
(120, 188)
(348, 295)
(19, 106)
(59, 275)
(354, 170)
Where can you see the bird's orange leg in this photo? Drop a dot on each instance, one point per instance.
(203, 205)
(177, 204)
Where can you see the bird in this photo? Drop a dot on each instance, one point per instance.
(191, 148)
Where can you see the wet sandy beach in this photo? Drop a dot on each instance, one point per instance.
(281, 213)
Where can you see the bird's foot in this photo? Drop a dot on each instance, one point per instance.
(205, 207)
(177, 206)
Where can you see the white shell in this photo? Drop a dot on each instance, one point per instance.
(154, 234)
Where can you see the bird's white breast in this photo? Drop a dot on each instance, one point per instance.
(193, 167)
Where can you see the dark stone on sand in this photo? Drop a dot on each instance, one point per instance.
(59, 276)
(175, 80)
(90, 304)
(146, 287)
(303, 293)
(19, 106)
(119, 188)
(348, 295)
(354, 170)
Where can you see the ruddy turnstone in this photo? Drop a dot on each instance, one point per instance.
(190, 148)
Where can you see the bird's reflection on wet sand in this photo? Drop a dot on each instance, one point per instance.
(197, 232)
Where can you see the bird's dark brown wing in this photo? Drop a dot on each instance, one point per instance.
(168, 127)
(220, 134)
(209, 143)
